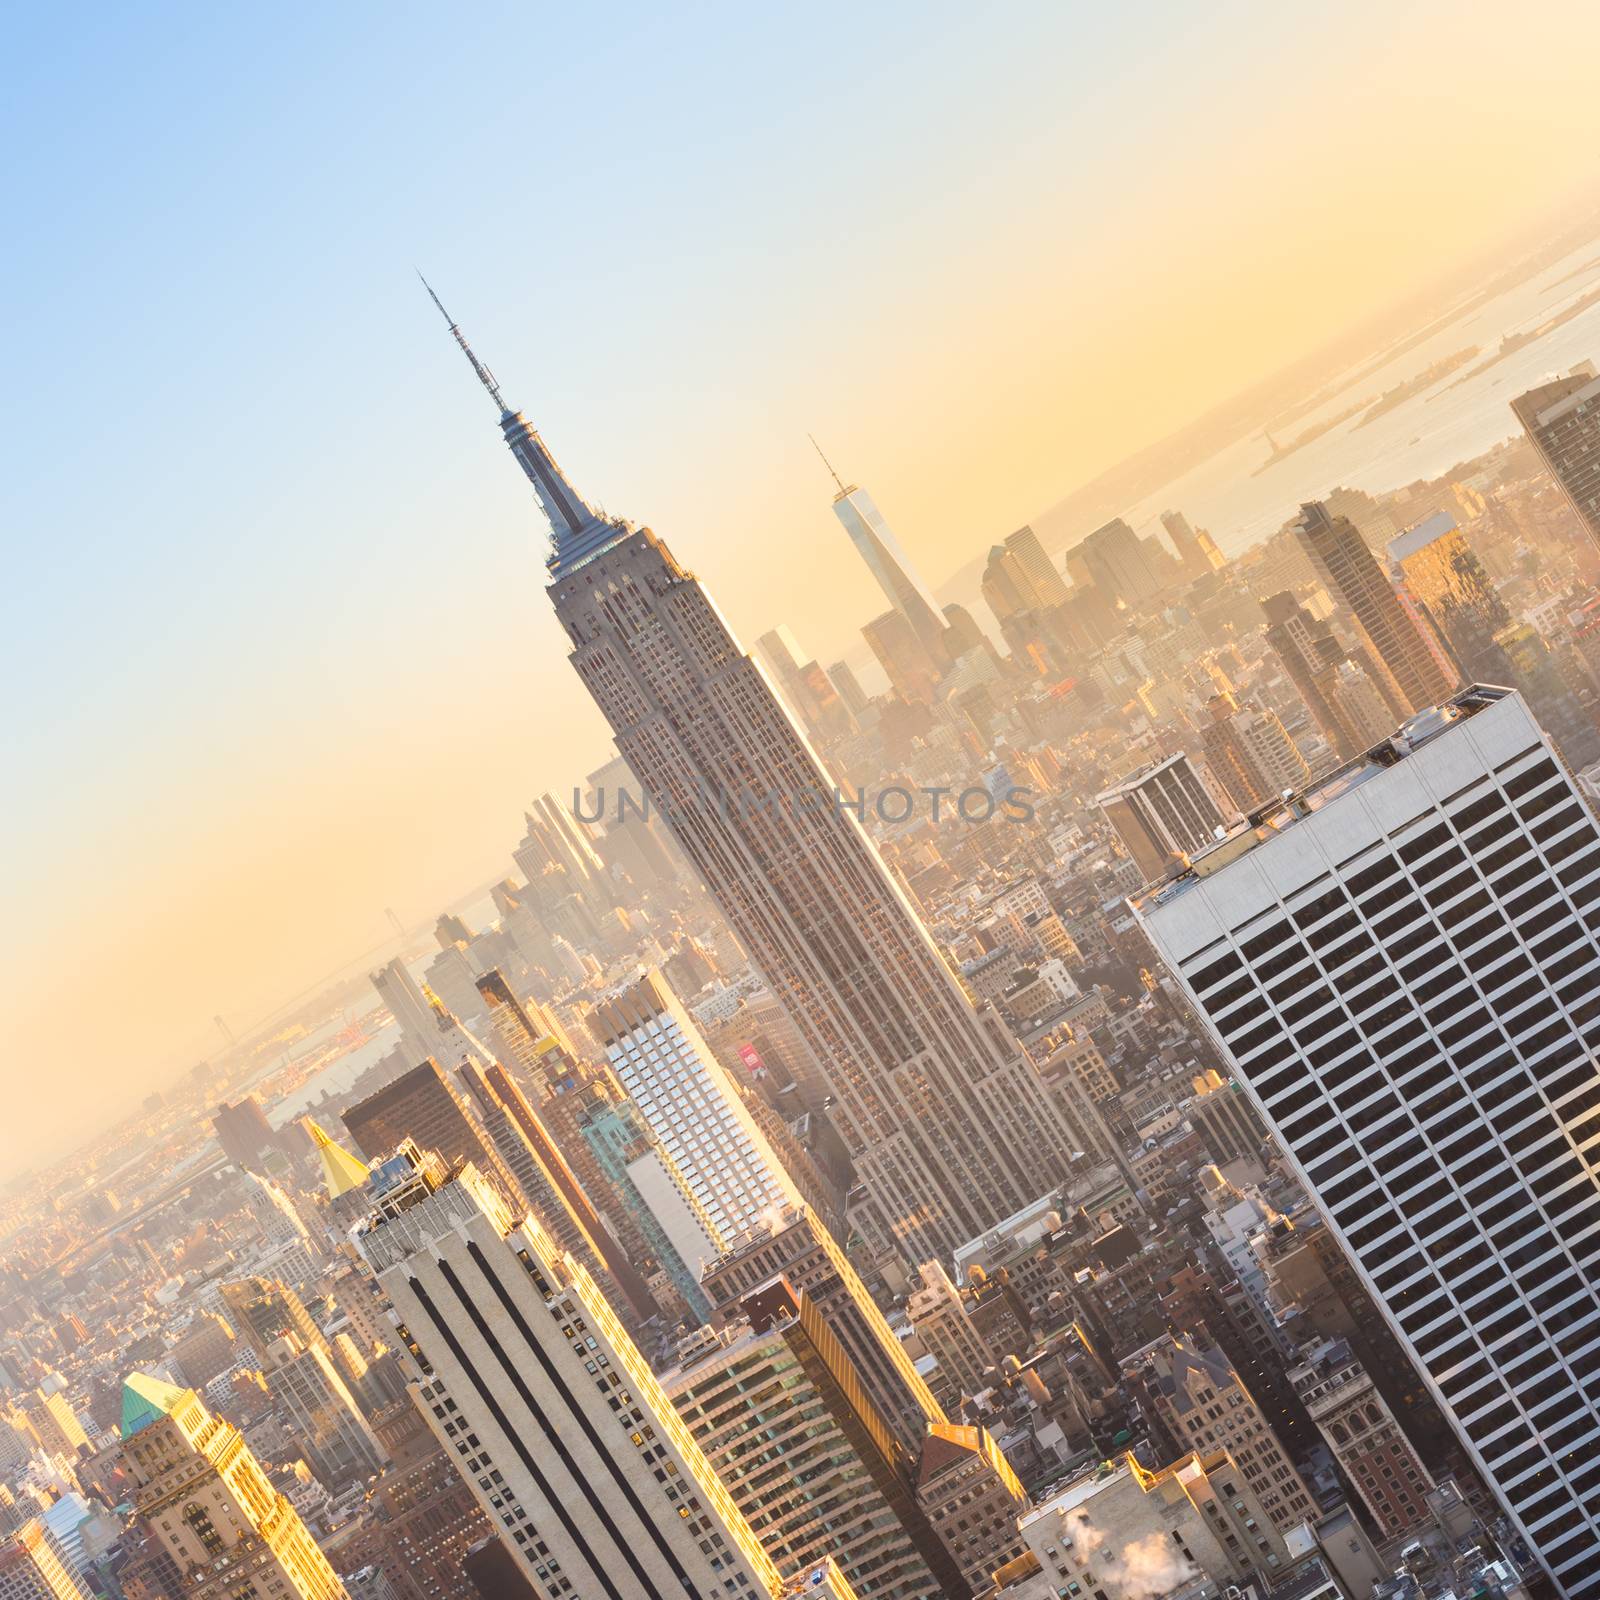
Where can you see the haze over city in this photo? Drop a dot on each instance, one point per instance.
(805, 804)
(279, 659)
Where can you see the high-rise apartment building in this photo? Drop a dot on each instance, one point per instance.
(1024, 547)
(1404, 969)
(795, 1246)
(1162, 812)
(580, 1460)
(684, 1093)
(1402, 642)
(1353, 703)
(1250, 754)
(31, 1567)
(938, 1311)
(946, 1120)
(206, 1500)
(777, 1404)
(1562, 421)
(876, 544)
(972, 1499)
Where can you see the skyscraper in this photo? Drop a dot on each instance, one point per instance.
(1008, 587)
(1443, 571)
(587, 1472)
(1562, 420)
(31, 1567)
(946, 1120)
(204, 1497)
(1194, 556)
(1118, 564)
(887, 562)
(1351, 701)
(1031, 557)
(912, 672)
(1403, 968)
(684, 1092)
(779, 1405)
(1162, 812)
(795, 1246)
(421, 1105)
(1249, 753)
(1402, 641)
(420, 1023)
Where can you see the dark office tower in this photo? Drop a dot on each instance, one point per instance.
(1030, 556)
(1191, 553)
(1118, 564)
(1399, 638)
(1161, 813)
(243, 1131)
(1353, 703)
(961, 633)
(912, 672)
(849, 687)
(947, 1121)
(1562, 420)
(421, 1105)
(1008, 589)
(887, 562)
(1404, 971)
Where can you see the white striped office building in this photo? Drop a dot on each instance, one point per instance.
(1404, 968)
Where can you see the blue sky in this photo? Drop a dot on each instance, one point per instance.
(277, 649)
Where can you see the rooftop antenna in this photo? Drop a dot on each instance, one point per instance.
(814, 445)
(485, 376)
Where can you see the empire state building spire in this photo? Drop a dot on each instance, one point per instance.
(578, 532)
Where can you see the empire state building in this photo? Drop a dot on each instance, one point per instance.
(948, 1123)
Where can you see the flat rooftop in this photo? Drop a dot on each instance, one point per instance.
(1266, 822)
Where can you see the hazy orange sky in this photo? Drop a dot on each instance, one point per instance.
(282, 656)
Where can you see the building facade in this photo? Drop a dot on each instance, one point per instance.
(1405, 973)
(581, 1462)
(207, 1502)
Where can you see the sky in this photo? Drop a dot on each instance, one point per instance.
(276, 647)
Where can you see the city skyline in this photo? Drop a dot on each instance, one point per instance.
(577, 1056)
(195, 839)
